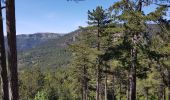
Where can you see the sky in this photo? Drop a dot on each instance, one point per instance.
(58, 16)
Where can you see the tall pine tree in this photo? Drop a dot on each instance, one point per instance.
(98, 18)
(4, 76)
(12, 50)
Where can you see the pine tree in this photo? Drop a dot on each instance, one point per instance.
(84, 56)
(4, 77)
(12, 51)
(159, 51)
(135, 25)
(133, 28)
(98, 18)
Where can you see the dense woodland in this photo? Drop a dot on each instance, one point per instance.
(118, 56)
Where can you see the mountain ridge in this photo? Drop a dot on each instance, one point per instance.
(52, 53)
(30, 41)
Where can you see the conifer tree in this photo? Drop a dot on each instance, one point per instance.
(135, 25)
(11, 50)
(4, 76)
(133, 29)
(159, 51)
(98, 18)
(84, 56)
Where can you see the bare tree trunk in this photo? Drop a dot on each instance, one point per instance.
(3, 71)
(12, 52)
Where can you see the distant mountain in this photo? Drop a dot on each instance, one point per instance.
(45, 50)
(49, 50)
(30, 41)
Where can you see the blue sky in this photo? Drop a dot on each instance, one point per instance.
(53, 15)
(59, 16)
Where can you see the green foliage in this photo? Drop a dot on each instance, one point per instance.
(30, 83)
(52, 53)
(41, 96)
(107, 44)
(57, 84)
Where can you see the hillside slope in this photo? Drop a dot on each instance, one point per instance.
(50, 54)
(51, 51)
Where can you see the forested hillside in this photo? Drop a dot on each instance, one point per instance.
(47, 50)
(51, 50)
(122, 54)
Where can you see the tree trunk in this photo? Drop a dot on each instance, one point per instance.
(98, 66)
(164, 85)
(3, 71)
(147, 97)
(169, 92)
(133, 84)
(127, 95)
(134, 60)
(98, 83)
(106, 84)
(164, 93)
(113, 85)
(133, 70)
(84, 83)
(12, 52)
(82, 95)
(146, 93)
(168, 85)
(160, 92)
(120, 91)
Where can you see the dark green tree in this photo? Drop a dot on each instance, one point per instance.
(159, 52)
(98, 18)
(84, 57)
(135, 24)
